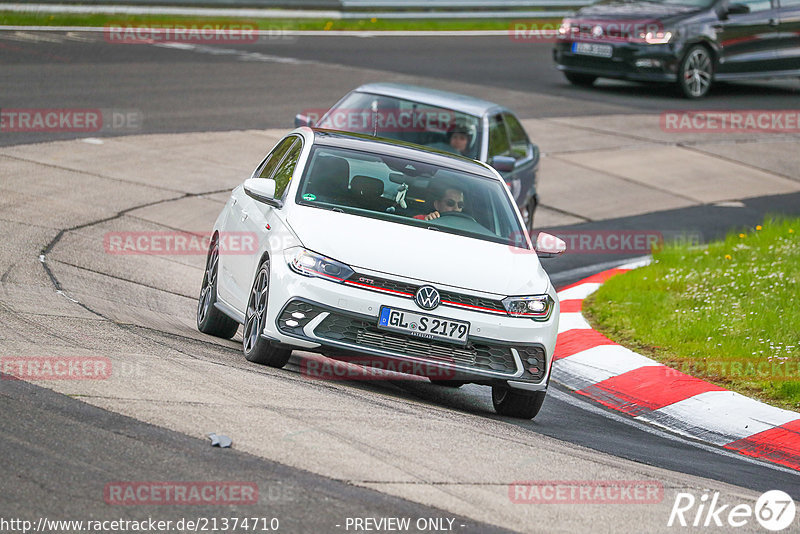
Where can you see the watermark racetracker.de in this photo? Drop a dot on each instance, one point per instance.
(370, 368)
(76, 120)
(358, 119)
(169, 242)
(129, 367)
(640, 242)
(610, 30)
(55, 368)
(731, 121)
(202, 31)
(180, 493)
(776, 369)
(586, 492)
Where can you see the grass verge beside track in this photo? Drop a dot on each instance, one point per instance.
(10, 18)
(728, 313)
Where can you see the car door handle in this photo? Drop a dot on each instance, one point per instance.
(773, 22)
(244, 216)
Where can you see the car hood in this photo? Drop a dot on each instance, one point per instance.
(425, 255)
(621, 10)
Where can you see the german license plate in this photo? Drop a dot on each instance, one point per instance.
(592, 49)
(423, 326)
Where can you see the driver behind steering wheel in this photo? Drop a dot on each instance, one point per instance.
(447, 200)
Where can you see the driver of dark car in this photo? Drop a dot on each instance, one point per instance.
(460, 139)
(450, 199)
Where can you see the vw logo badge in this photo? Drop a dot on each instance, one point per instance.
(427, 297)
(597, 31)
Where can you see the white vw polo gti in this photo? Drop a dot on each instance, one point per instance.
(373, 247)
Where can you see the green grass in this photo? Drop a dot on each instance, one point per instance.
(728, 313)
(10, 18)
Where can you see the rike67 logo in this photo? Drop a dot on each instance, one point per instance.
(774, 510)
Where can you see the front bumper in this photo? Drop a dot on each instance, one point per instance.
(629, 61)
(338, 320)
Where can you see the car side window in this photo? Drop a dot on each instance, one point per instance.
(498, 137)
(756, 5)
(517, 136)
(790, 3)
(284, 172)
(274, 158)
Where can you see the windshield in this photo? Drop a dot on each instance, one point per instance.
(411, 193)
(404, 120)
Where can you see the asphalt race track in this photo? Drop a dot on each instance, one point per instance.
(319, 452)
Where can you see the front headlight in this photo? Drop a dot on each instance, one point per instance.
(537, 307)
(656, 37)
(311, 264)
(564, 29)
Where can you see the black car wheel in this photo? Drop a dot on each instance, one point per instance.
(514, 403)
(256, 348)
(696, 72)
(209, 319)
(584, 80)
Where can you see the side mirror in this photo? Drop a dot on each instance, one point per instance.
(303, 120)
(737, 9)
(549, 246)
(504, 163)
(262, 190)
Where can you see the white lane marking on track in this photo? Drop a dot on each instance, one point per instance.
(243, 54)
(579, 292)
(725, 413)
(27, 37)
(572, 321)
(75, 36)
(635, 264)
(177, 46)
(592, 408)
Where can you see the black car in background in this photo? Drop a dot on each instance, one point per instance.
(692, 43)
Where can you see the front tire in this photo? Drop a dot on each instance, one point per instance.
(209, 319)
(582, 80)
(256, 348)
(519, 404)
(696, 72)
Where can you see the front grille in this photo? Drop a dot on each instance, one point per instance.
(365, 334)
(595, 63)
(414, 347)
(472, 301)
(372, 283)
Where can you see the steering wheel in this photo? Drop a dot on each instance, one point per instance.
(460, 214)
